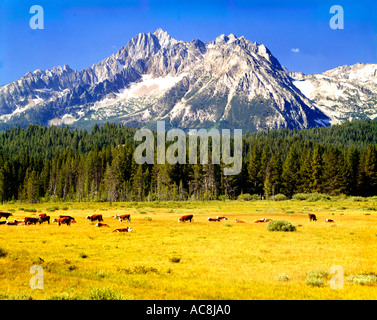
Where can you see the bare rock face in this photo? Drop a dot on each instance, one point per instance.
(343, 93)
(229, 82)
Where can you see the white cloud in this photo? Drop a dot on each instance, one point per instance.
(295, 50)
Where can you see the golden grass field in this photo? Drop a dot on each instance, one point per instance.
(164, 259)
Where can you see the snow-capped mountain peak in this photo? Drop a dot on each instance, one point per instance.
(230, 81)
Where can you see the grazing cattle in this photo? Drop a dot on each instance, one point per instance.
(213, 220)
(263, 220)
(100, 225)
(128, 229)
(64, 220)
(43, 218)
(239, 221)
(312, 217)
(30, 220)
(329, 220)
(13, 223)
(123, 217)
(186, 218)
(6, 215)
(72, 218)
(222, 218)
(95, 217)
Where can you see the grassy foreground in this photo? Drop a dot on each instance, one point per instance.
(164, 259)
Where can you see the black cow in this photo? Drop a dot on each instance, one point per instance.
(6, 215)
(312, 217)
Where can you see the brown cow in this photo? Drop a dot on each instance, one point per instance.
(30, 220)
(329, 220)
(123, 217)
(6, 215)
(222, 218)
(43, 218)
(312, 217)
(63, 216)
(64, 220)
(186, 218)
(128, 229)
(213, 220)
(100, 225)
(95, 217)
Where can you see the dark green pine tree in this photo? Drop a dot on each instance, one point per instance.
(306, 172)
(367, 176)
(2, 185)
(290, 174)
(334, 172)
(274, 175)
(255, 178)
(351, 173)
(32, 187)
(317, 170)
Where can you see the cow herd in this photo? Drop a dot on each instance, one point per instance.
(63, 219)
(68, 220)
(312, 217)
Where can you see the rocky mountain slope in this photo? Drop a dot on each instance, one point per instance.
(230, 82)
(343, 93)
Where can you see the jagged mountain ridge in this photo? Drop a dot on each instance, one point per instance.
(230, 82)
(343, 93)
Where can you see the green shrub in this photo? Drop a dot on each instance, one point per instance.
(314, 282)
(63, 296)
(3, 253)
(280, 197)
(280, 225)
(311, 197)
(244, 197)
(363, 279)
(52, 209)
(101, 274)
(248, 197)
(316, 278)
(300, 196)
(175, 259)
(282, 277)
(104, 294)
(359, 199)
(139, 270)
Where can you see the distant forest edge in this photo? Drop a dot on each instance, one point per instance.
(40, 164)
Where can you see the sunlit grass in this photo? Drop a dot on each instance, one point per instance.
(164, 259)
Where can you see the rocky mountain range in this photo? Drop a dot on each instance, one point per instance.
(344, 93)
(230, 82)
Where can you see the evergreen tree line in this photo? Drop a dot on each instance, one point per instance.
(59, 164)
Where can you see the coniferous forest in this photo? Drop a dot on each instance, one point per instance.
(60, 164)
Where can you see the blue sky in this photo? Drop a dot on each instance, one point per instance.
(82, 32)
